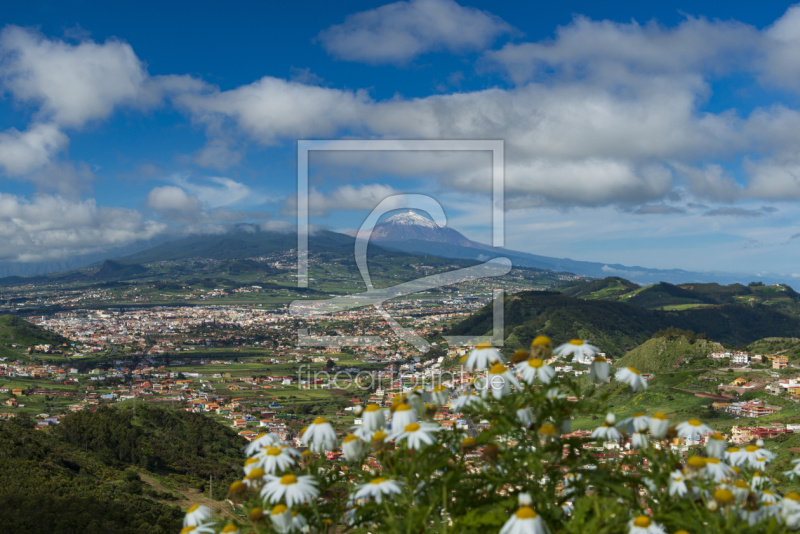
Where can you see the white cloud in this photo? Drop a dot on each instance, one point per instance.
(170, 199)
(52, 227)
(22, 152)
(73, 84)
(399, 32)
(347, 197)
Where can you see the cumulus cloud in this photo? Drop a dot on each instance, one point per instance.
(52, 227)
(731, 211)
(195, 203)
(72, 84)
(347, 197)
(22, 152)
(171, 199)
(399, 32)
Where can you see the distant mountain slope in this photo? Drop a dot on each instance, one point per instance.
(112, 270)
(414, 233)
(617, 327)
(605, 289)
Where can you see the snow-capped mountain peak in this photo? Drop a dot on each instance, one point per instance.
(411, 218)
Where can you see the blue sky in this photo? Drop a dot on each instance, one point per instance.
(661, 134)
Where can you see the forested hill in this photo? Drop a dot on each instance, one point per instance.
(617, 327)
(87, 475)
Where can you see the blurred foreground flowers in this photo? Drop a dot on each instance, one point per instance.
(523, 472)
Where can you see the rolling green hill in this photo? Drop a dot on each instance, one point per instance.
(662, 353)
(19, 332)
(617, 327)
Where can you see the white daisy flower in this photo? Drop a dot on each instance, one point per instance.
(250, 464)
(376, 489)
(658, 424)
(403, 415)
(525, 416)
(276, 458)
(692, 429)
(639, 440)
(471, 398)
(795, 471)
(717, 470)
(599, 370)
(638, 422)
(500, 381)
(740, 490)
(255, 477)
(197, 515)
(524, 521)
(417, 435)
(607, 431)
(353, 447)
(440, 395)
(281, 518)
(299, 522)
(553, 394)
(735, 456)
(790, 510)
(769, 497)
(230, 528)
(482, 357)
(632, 377)
(716, 446)
(535, 368)
(677, 484)
(262, 440)
(757, 482)
(581, 351)
(569, 483)
(644, 525)
(294, 489)
(374, 418)
(319, 436)
(756, 457)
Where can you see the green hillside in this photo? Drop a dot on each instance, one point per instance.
(664, 353)
(671, 297)
(618, 327)
(17, 334)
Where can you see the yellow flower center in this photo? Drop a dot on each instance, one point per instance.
(402, 407)
(413, 427)
(274, 451)
(634, 371)
(642, 521)
(751, 448)
(536, 363)
(547, 428)
(793, 496)
(526, 512)
(694, 422)
(696, 462)
(193, 508)
(576, 342)
(468, 442)
(639, 414)
(372, 408)
(484, 345)
(712, 461)
(741, 484)
(723, 496)
(187, 530)
(660, 416)
(379, 480)
(255, 473)
(733, 449)
(229, 528)
(279, 509)
(498, 369)
(539, 341)
(349, 438)
(320, 421)
(250, 461)
(439, 388)
(380, 435)
(288, 480)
